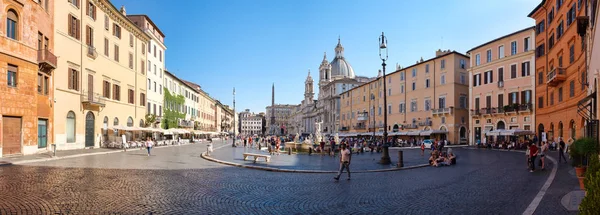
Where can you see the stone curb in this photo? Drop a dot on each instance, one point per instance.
(78, 155)
(271, 169)
(5, 163)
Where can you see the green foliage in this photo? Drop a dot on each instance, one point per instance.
(171, 116)
(581, 149)
(591, 201)
(149, 120)
(593, 167)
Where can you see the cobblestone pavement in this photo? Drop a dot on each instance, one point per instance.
(483, 182)
(360, 162)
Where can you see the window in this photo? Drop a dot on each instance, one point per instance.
(116, 30)
(73, 79)
(159, 110)
(154, 50)
(551, 98)
(579, 4)
(572, 53)
(558, 4)
(443, 64)
(560, 61)
(551, 41)
(488, 101)
(540, 77)
(160, 89)
(540, 27)
(414, 72)
(413, 106)
(462, 101)
(500, 100)
(402, 108)
(160, 55)
(489, 56)
(443, 79)
(463, 78)
(12, 76)
(550, 15)
(477, 59)
(571, 14)
(476, 80)
(116, 53)
(401, 89)
(389, 92)
(442, 102)
(91, 10)
(12, 27)
(149, 84)
(513, 98)
(74, 3)
(560, 96)
(106, 22)
(117, 92)
(155, 87)
(572, 89)
(463, 64)
(130, 40)
(143, 69)
(414, 86)
(389, 109)
(148, 106)
(379, 111)
(130, 97)
(583, 80)
(74, 29)
(488, 77)
(70, 127)
(427, 104)
(402, 76)
(427, 83)
(560, 30)
(500, 74)
(526, 44)
(106, 89)
(106, 47)
(513, 71)
(155, 69)
(500, 52)
(525, 69)
(131, 60)
(476, 103)
(540, 51)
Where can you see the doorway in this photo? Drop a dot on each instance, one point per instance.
(42, 133)
(11, 135)
(89, 129)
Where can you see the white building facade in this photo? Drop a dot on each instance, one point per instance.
(251, 123)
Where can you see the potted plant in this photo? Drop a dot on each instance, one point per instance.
(580, 151)
(515, 107)
(506, 108)
(591, 202)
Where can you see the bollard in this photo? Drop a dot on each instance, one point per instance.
(310, 151)
(400, 159)
(54, 150)
(290, 151)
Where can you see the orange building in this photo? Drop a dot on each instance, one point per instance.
(559, 68)
(425, 100)
(26, 66)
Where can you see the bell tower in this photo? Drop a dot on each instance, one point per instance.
(308, 89)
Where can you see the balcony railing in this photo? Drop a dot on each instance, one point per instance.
(486, 111)
(525, 107)
(344, 128)
(46, 59)
(441, 111)
(410, 126)
(499, 110)
(476, 112)
(92, 99)
(556, 76)
(91, 52)
(360, 126)
(425, 123)
(363, 116)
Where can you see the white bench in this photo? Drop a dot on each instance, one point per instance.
(256, 156)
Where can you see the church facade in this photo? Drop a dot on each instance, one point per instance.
(335, 78)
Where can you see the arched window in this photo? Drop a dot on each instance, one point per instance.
(141, 123)
(129, 122)
(105, 126)
(116, 121)
(71, 127)
(12, 24)
(550, 132)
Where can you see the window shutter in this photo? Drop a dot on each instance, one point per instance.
(87, 8)
(492, 76)
(70, 21)
(78, 29)
(70, 78)
(87, 36)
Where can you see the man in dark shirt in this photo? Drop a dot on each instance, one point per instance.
(561, 150)
(533, 152)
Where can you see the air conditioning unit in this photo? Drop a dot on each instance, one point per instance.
(500, 84)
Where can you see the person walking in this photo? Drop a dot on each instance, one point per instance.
(561, 150)
(422, 149)
(149, 144)
(542, 153)
(533, 152)
(345, 158)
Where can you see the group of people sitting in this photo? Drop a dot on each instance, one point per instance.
(439, 158)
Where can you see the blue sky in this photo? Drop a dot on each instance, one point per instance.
(249, 45)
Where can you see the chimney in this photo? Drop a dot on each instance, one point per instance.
(379, 74)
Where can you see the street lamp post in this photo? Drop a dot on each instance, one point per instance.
(383, 55)
(233, 144)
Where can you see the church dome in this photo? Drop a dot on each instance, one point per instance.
(340, 68)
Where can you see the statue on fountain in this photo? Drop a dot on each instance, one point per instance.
(319, 136)
(296, 138)
(337, 139)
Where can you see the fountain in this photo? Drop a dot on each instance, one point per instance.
(305, 145)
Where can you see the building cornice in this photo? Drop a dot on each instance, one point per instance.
(502, 37)
(121, 19)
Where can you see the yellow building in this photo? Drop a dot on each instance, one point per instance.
(425, 100)
(100, 83)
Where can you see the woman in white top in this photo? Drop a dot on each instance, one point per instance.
(149, 144)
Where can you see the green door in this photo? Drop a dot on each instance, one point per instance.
(42, 133)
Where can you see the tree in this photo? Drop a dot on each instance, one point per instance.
(150, 119)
